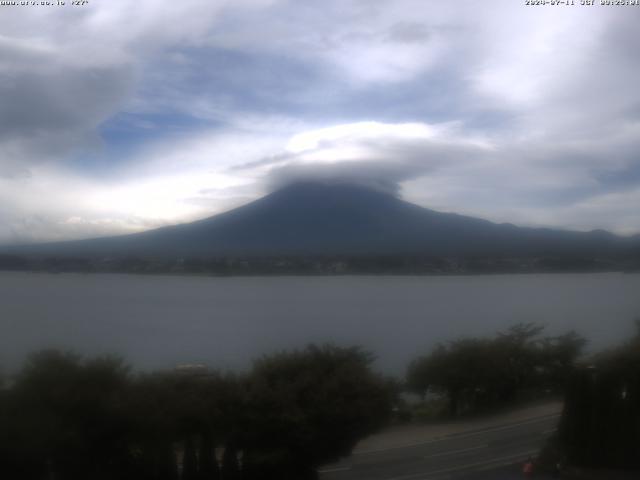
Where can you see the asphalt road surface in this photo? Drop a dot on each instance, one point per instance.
(495, 453)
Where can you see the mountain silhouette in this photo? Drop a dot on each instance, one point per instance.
(325, 219)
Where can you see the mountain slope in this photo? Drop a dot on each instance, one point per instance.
(310, 218)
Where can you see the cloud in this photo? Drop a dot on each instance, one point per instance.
(64, 71)
(370, 153)
(49, 114)
(169, 181)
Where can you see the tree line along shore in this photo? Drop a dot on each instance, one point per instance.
(319, 264)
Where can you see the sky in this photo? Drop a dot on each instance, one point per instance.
(119, 116)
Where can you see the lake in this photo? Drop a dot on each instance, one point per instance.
(162, 321)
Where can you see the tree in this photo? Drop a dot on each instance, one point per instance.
(70, 418)
(557, 360)
(310, 407)
(207, 463)
(464, 370)
(65, 417)
(230, 467)
(600, 424)
(477, 373)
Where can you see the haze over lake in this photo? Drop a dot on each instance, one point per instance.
(161, 321)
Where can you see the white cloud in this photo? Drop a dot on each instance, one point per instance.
(65, 70)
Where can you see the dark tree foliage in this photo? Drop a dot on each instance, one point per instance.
(207, 464)
(600, 425)
(478, 373)
(190, 460)
(230, 465)
(310, 407)
(69, 418)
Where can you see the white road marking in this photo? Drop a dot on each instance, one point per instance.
(453, 452)
(334, 470)
(457, 436)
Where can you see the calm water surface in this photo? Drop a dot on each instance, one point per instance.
(156, 321)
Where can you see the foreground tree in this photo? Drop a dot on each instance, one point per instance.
(310, 407)
(600, 424)
(65, 418)
(69, 418)
(481, 373)
(185, 413)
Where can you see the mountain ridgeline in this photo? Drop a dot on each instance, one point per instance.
(311, 219)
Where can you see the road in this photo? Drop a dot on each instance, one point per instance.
(494, 453)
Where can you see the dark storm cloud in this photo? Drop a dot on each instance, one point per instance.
(59, 98)
(50, 109)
